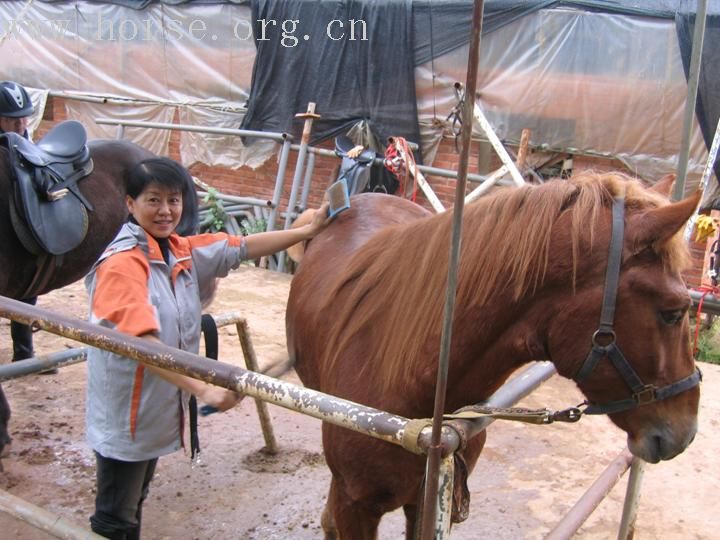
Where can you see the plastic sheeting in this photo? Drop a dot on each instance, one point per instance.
(606, 83)
(157, 60)
(582, 82)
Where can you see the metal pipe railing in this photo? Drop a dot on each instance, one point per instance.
(277, 137)
(44, 362)
(568, 526)
(51, 523)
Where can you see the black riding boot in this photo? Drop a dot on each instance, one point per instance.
(22, 337)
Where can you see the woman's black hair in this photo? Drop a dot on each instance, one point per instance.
(171, 175)
(164, 171)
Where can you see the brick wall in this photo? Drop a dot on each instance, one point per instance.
(260, 183)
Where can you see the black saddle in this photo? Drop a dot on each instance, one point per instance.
(355, 171)
(49, 213)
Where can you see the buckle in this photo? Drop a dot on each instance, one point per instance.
(53, 196)
(646, 395)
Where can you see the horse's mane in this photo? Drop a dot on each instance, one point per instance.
(398, 278)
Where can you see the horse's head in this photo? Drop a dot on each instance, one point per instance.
(632, 356)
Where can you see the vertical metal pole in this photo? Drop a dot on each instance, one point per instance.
(632, 500)
(279, 183)
(251, 363)
(434, 452)
(277, 193)
(308, 180)
(120, 132)
(445, 498)
(693, 77)
(309, 116)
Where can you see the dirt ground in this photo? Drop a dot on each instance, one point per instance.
(527, 478)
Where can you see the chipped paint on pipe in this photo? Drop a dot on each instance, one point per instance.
(445, 498)
(373, 422)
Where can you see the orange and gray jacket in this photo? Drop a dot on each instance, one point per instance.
(132, 414)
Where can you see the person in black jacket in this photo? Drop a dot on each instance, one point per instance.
(15, 111)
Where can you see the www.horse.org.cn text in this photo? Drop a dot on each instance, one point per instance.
(150, 29)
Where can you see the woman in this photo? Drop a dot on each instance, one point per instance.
(151, 282)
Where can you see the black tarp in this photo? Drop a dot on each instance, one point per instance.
(707, 106)
(350, 80)
(374, 80)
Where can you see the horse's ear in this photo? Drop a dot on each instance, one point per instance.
(658, 225)
(664, 185)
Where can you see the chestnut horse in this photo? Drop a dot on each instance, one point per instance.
(365, 313)
(104, 188)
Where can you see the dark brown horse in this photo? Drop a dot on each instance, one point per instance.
(365, 311)
(104, 188)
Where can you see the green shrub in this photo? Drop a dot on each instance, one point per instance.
(216, 216)
(708, 343)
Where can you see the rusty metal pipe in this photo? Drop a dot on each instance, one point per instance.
(377, 424)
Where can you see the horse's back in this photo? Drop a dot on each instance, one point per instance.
(325, 262)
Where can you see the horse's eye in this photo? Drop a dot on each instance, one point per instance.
(672, 317)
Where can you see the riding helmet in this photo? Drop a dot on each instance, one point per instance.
(14, 100)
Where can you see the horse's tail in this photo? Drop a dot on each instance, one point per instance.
(277, 367)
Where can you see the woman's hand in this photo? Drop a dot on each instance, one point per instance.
(267, 243)
(220, 398)
(320, 220)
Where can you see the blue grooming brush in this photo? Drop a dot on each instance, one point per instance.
(338, 197)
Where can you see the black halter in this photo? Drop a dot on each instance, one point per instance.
(642, 394)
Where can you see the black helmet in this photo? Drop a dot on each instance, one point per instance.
(14, 100)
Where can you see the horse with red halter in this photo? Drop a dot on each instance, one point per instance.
(584, 273)
(24, 273)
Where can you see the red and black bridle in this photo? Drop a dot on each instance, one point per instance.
(604, 343)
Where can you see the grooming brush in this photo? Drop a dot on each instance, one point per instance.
(338, 197)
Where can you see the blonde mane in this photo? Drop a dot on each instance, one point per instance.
(398, 278)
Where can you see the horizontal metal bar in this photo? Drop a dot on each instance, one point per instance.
(225, 319)
(573, 520)
(41, 363)
(279, 137)
(254, 201)
(51, 523)
(511, 392)
(434, 171)
(377, 424)
(710, 303)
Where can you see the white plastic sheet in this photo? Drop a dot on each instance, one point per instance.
(586, 82)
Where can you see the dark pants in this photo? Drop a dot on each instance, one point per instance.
(22, 337)
(122, 487)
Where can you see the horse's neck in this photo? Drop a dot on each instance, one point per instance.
(492, 341)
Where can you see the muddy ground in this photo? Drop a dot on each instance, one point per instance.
(526, 480)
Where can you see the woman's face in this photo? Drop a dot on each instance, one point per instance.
(157, 210)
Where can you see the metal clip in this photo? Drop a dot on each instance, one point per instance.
(573, 414)
(56, 195)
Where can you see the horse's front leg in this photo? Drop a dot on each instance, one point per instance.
(345, 519)
(411, 517)
(327, 521)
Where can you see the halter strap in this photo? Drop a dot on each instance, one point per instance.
(603, 340)
(612, 280)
